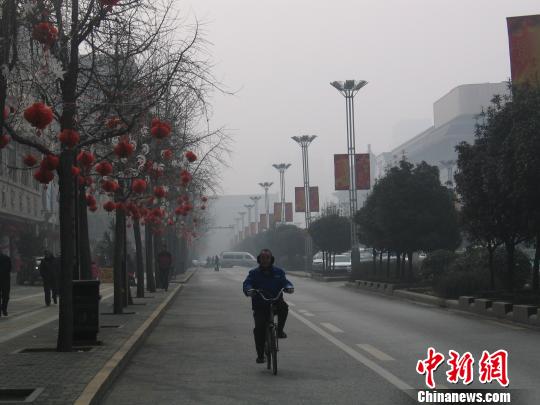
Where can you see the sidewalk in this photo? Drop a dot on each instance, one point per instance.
(44, 376)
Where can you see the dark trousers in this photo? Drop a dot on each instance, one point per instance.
(5, 287)
(261, 318)
(49, 287)
(164, 277)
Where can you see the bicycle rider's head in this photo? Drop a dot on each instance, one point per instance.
(265, 258)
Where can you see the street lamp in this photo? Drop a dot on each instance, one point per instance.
(266, 185)
(348, 89)
(242, 215)
(281, 167)
(449, 166)
(304, 141)
(249, 207)
(255, 200)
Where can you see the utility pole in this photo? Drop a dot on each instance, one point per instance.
(281, 167)
(266, 185)
(255, 200)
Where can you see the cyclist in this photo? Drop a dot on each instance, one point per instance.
(270, 280)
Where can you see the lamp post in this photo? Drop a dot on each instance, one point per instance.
(255, 200)
(304, 141)
(242, 215)
(266, 185)
(237, 232)
(281, 167)
(249, 207)
(348, 89)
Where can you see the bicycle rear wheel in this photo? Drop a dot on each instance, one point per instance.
(274, 349)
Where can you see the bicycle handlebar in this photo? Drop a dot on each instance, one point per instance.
(260, 292)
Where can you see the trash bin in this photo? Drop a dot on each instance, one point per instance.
(85, 310)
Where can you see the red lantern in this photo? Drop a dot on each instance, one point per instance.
(45, 33)
(38, 115)
(160, 129)
(179, 211)
(4, 140)
(123, 149)
(30, 160)
(50, 162)
(159, 192)
(138, 186)
(43, 176)
(90, 200)
(109, 186)
(109, 206)
(190, 156)
(103, 168)
(69, 137)
(120, 206)
(75, 171)
(6, 113)
(85, 158)
(93, 208)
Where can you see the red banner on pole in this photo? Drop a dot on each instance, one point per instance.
(314, 199)
(341, 172)
(288, 212)
(362, 171)
(299, 200)
(262, 222)
(277, 212)
(524, 44)
(253, 228)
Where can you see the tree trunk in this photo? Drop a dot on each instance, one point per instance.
(148, 243)
(157, 249)
(536, 264)
(139, 257)
(125, 276)
(374, 256)
(380, 261)
(510, 250)
(84, 240)
(119, 281)
(398, 265)
(67, 251)
(403, 268)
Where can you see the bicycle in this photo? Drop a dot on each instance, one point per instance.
(271, 346)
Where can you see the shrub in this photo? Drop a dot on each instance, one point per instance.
(436, 264)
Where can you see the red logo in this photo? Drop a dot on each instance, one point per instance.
(494, 367)
(429, 366)
(461, 368)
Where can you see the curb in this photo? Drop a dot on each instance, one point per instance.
(100, 383)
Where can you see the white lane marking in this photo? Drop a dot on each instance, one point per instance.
(392, 379)
(303, 311)
(27, 297)
(20, 332)
(308, 314)
(331, 328)
(375, 352)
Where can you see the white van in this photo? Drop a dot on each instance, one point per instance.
(230, 259)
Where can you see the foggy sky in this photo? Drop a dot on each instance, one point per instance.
(280, 55)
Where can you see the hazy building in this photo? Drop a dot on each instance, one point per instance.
(454, 120)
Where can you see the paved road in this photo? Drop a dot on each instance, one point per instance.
(343, 348)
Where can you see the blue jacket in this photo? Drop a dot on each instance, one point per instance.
(269, 281)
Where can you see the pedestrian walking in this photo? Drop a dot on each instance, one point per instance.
(5, 282)
(164, 261)
(95, 271)
(47, 269)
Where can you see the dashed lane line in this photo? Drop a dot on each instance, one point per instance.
(391, 378)
(331, 328)
(378, 354)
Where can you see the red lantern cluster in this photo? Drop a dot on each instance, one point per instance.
(138, 186)
(123, 149)
(85, 158)
(38, 115)
(103, 168)
(160, 192)
(160, 129)
(43, 176)
(109, 206)
(45, 33)
(4, 140)
(110, 186)
(50, 162)
(92, 208)
(190, 156)
(30, 160)
(75, 171)
(90, 200)
(69, 137)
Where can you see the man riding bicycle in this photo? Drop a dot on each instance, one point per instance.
(270, 280)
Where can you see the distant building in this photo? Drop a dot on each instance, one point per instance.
(454, 120)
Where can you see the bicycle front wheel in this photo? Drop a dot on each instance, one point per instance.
(274, 350)
(268, 349)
